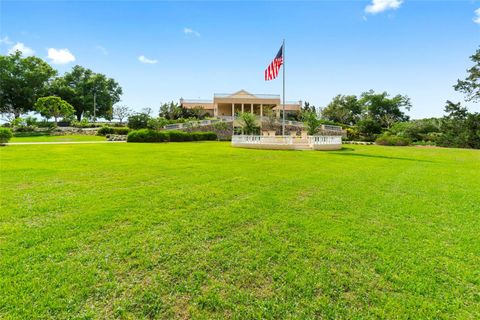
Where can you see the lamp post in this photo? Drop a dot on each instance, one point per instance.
(94, 107)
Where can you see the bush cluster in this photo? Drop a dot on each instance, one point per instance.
(5, 135)
(103, 131)
(392, 140)
(146, 135)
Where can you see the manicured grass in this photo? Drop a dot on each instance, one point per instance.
(203, 230)
(66, 138)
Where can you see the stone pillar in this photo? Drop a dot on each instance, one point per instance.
(242, 107)
(251, 108)
(233, 110)
(261, 110)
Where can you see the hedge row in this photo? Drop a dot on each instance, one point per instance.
(392, 140)
(147, 135)
(103, 131)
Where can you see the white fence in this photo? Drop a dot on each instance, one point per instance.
(287, 140)
(324, 140)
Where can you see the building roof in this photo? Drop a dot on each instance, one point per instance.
(196, 101)
(242, 94)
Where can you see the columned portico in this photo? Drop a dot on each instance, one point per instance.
(228, 105)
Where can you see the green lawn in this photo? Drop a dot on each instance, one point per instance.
(205, 231)
(66, 138)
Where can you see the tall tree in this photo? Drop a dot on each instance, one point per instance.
(121, 112)
(470, 87)
(460, 128)
(22, 81)
(381, 108)
(343, 109)
(81, 86)
(53, 107)
(311, 121)
(170, 111)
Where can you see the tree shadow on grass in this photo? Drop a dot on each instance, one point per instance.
(343, 153)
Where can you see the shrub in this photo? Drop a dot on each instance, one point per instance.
(46, 124)
(25, 129)
(391, 140)
(115, 130)
(121, 130)
(178, 136)
(206, 136)
(5, 135)
(157, 123)
(84, 124)
(103, 131)
(147, 135)
(31, 121)
(138, 121)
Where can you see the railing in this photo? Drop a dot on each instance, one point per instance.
(283, 140)
(262, 139)
(324, 140)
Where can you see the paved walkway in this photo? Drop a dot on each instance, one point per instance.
(60, 142)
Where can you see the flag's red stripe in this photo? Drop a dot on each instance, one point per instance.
(272, 70)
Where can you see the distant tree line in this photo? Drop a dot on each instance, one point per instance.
(379, 116)
(24, 80)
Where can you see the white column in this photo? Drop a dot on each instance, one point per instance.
(233, 110)
(215, 110)
(251, 108)
(242, 107)
(261, 110)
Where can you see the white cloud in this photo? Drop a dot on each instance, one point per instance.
(378, 6)
(102, 49)
(5, 40)
(477, 16)
(189, 31)
(26, 51)
(144, 59)
(60, 56)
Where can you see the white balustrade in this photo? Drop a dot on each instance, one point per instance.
(287, 140)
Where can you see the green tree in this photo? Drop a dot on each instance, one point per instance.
(170, 111)
(249, 122)
(369, 128)
(138, 121)
(53, 107)
(121, 112)
(470, 87)
(157, 123)
(81, 86)
(22, 81)
(381, 108)
(460, 128)
(343, 109)
(311, 121)
(270, 119)
(308, 107)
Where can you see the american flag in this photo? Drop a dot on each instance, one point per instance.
(272, 70)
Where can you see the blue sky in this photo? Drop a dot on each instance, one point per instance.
(161, 51)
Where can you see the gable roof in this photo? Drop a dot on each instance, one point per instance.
(244, 94)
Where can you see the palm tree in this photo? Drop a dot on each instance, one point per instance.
(249, 122)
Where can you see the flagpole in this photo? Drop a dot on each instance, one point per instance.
(283, 107)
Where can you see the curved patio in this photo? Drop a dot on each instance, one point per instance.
(287, 142)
